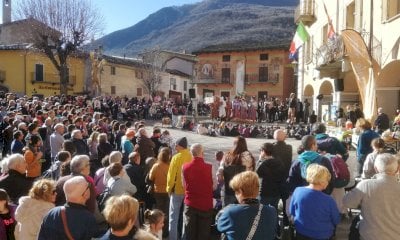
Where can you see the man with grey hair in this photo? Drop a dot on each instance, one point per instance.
(14, 181)
(198, 186)
(80, 166)
(56, 140)
(78, 220)
(79, 142)
(380, 211)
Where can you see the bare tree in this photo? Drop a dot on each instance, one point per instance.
(67, 25)
(152, 60)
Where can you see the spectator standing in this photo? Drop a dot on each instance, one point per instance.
(117, 184)
(127, 145)
(80, 144)
(103, 149)
(158, 175)
(32, 209)
(327, 143)
(174, 185)
(7, 217)
(381, 123)
(14, 182)
(145, 145)
(74, 216)
(56, 140)
(33, 157)
(364, 143)
(198, 185)
(136, 175)
(378, 144)
(17, 145)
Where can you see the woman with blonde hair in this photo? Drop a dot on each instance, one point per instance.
(32, 209)
(121, 213)
(249, 219)
(315, 213)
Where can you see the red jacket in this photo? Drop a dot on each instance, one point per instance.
(198, 184)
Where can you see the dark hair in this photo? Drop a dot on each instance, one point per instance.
(219, 155)
(241, 145)
(33, 140)
(65, 168)
(4, 195)
(267, 148)
(156, 130)
(32, 127)
(17, 134)
(114, 169)
(153, 216)
(71, 127)
(63, 156)
(69, 146)
(319, 128)
(307, 142)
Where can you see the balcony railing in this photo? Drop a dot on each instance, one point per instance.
(52, 78)
(210, 80)
(305, 12)
(330, 52)
(256, 78)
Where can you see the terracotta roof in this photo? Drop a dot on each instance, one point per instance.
(177, 72)
(241, 47)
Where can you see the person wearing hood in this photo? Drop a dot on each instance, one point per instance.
(298, 169)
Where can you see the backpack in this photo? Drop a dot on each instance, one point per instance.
(340, 169)
(325, 144)
(104, 196)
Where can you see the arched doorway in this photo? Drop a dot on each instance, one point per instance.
(308, 94)
(325, 100)
(388, 88)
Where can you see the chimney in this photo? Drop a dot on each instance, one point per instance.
(6, 11)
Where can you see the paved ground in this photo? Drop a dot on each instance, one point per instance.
(213, 144)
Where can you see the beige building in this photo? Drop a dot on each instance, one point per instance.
(118, 76)
(338, 68)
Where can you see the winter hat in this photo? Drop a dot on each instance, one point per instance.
(182, 142)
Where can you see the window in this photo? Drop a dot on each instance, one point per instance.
(263, 56)
(172, 84)
(393, 8)
(226, 58)
(113, 89)
(184, 85)
(309, 47)
(112, 70)
(39, 72)
(226, 75)
(263, 74)
(139, 74)
(139, 92)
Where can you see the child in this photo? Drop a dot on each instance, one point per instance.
(155, 222)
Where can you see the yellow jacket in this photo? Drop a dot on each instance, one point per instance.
(174, 177)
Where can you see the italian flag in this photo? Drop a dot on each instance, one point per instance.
(299, 38)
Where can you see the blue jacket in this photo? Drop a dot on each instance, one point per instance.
(81, 223)
(315, 213)
(237, 219)
(364, 143)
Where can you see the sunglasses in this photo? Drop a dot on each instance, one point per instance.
(87, 188)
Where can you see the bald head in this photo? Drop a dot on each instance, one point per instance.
(75, 190)
(279, 135)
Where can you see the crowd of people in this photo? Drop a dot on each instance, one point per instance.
(72, 168)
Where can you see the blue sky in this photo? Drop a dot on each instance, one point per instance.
(119, 14)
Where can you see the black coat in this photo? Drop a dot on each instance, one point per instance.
(16, 185)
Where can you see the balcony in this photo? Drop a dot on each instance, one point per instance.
(256, 78)
(329, 57)
(52, 79)
(305, 12)
(202, 79)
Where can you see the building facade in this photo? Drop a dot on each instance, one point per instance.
(351, 55)
(26, 71)
(229, 71)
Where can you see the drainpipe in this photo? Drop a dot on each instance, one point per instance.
(26, 52)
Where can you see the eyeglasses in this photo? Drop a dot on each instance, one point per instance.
(88, 187)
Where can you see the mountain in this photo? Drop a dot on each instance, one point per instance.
(211, 22)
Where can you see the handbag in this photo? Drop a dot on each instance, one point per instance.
(254, 226)
(65, 224)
